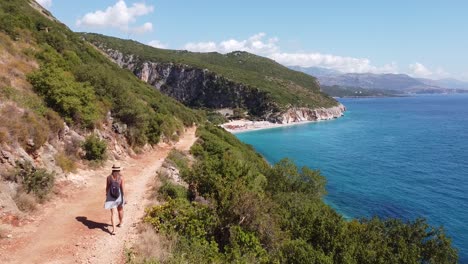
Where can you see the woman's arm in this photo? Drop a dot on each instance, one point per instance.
(122, 185)
(107, 185)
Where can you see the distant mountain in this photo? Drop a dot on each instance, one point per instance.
(316, 71)
(446, 83)
(397, 83)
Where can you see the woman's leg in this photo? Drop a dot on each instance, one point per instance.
(121, 214)
(112, 220)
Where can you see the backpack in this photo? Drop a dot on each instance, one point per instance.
(114, 188)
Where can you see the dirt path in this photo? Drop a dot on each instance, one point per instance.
(74, 229)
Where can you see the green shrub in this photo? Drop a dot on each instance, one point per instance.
(216, 118)
(38, 181)
(95, 148)
(75, 101)
(178, 159)
(169, 190)
(299, 251)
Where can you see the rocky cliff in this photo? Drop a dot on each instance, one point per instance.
(197, 87)
(202, 88)
(300, 114)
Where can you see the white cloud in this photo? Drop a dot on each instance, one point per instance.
(118, 16)
(45, 3)
(260, 45)
(419, 70)
(157, 44)
(201, 46)
(255, 44)
(343, 64)
(146, 27)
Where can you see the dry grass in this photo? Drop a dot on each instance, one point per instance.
(27, 128)
(17, 61)
(152, 246)
(3, 135)
(25, 202)
(66, 163)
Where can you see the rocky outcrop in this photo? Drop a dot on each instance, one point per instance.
(202, 88)
(196, 87)
(301, 114)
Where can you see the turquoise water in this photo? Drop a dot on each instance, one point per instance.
(391, 157)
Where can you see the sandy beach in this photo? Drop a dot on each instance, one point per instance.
(244, 125)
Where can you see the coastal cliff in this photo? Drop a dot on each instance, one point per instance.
(197, 87)
(301, 114)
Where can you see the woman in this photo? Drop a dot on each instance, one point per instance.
(115, 195)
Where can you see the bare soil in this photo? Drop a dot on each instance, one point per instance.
(74, 227)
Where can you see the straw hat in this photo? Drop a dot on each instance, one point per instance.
(116, 167)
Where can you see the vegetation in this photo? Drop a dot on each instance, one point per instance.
(82, 85)
(95, 148)
(339, 91)
(286, 87)
(36, 181)
(257, 213)
(66, 163)
(254, 212)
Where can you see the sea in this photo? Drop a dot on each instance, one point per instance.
(399, 157)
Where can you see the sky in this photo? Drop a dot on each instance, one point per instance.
(427, 39)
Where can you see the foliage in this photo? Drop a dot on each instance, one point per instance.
(216, 118)
(75, 101)
(178, 159)
(27, 128)
(343, 91)
(169, 190)
(286, 87)
(82, 85)
(95, 148)
(38, 181)
(259, 213)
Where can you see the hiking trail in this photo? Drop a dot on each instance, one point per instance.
(74, 228)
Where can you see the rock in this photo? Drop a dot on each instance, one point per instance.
(196, 87)
(9, 236)
(301, 114)
(119, 128)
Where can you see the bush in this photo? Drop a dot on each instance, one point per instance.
(299, 251)
(75, 101)
(95, 148)
(25, 202)
(65, 162)
(38, 181)
(55, 122)
(169, 190)
(178, 159)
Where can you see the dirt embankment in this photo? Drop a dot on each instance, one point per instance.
(74, 227)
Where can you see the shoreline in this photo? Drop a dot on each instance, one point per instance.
(244, 125)
(291, 117)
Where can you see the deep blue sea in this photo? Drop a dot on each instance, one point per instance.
(401, 157)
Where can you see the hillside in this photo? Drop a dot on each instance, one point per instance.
(234, 80)
(64, 105)
(66, 109)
